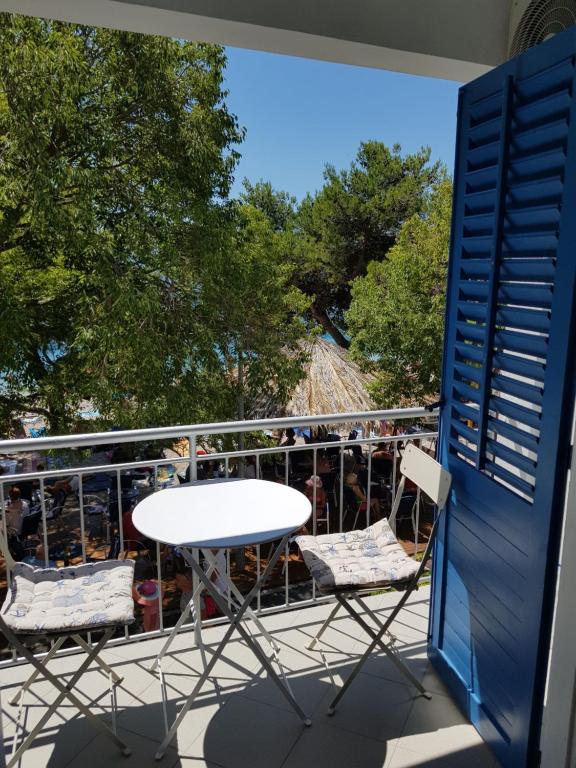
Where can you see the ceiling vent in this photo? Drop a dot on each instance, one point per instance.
(533, 21)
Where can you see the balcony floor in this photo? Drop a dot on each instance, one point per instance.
(243, 722)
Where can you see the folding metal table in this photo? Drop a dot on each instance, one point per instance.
(212, 515)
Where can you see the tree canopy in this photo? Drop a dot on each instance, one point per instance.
(116, 231)
(396, 317)
(354, 220)
(130, 278)
(279, 207)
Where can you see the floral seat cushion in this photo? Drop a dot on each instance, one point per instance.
(53, 600)
(370, 557)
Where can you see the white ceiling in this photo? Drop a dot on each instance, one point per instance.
(453, 39)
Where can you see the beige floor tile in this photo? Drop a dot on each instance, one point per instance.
(371, 707)
(145, 712)
(437, 726)
(322, 746)
(102, 752)
(466, 757)
(247, 734)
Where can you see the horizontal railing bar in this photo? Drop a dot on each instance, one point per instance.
(141, 463)
(221, 428)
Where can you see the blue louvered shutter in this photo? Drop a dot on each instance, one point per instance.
(508, 391)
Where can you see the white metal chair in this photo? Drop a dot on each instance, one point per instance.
(353, 564)
(58, 604)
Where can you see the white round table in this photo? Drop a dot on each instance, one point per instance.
(221, 514)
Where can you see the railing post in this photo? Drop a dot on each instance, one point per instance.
(193, 457)
(341, 494)
(82, 524)
(4, 533)
(369, 484)
(44, 522)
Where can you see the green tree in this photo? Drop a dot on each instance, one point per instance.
(116, 155)
(396, 317)
(256, 314)
(354, 220)
(279, 207)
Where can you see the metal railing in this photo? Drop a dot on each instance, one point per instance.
(67, 539)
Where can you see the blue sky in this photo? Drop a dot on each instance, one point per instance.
(301, 114)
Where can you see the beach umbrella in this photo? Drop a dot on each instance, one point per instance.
(332, 383)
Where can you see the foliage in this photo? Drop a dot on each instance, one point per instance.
(128, 277)
(396, 317)
(258, 321)
(354, 220)
(279, 207)
(116, 155)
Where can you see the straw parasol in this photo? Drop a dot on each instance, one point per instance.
(332, 383)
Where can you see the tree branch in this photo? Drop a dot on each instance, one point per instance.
(322, 319)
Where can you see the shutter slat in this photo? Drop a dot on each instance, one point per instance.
(461, 448)
(540, 270)
(522, 343)
(473, 290)
(529, 392)
(526, 319)
(514, 411)
(510, 479)
(466, 432)
(525, 294)
(471, 310)
(539, 138)
(525, 439)
(466, 411)
(468, 393)
(468, 372)
(535, 193)
(470, 352)
(530, 244)
(532, 219)
(521, 366)
(471, 331)
(475, 268)
(523, 463)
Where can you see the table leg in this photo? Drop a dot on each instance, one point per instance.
(190, 609)
(235, 619)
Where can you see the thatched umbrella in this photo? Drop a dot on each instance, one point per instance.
(332, 383)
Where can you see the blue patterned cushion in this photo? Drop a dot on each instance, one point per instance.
(45, 600)
(370, 557)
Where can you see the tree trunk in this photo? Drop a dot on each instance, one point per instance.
(322, 319)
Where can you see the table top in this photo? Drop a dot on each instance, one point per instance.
(222, 513)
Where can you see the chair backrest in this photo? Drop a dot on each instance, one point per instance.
(426, 473)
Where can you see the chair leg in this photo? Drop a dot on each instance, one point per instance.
(116, 679)
(387, 650)
(385, 626)
(312, 644)
(65, 691)
(50, 655)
